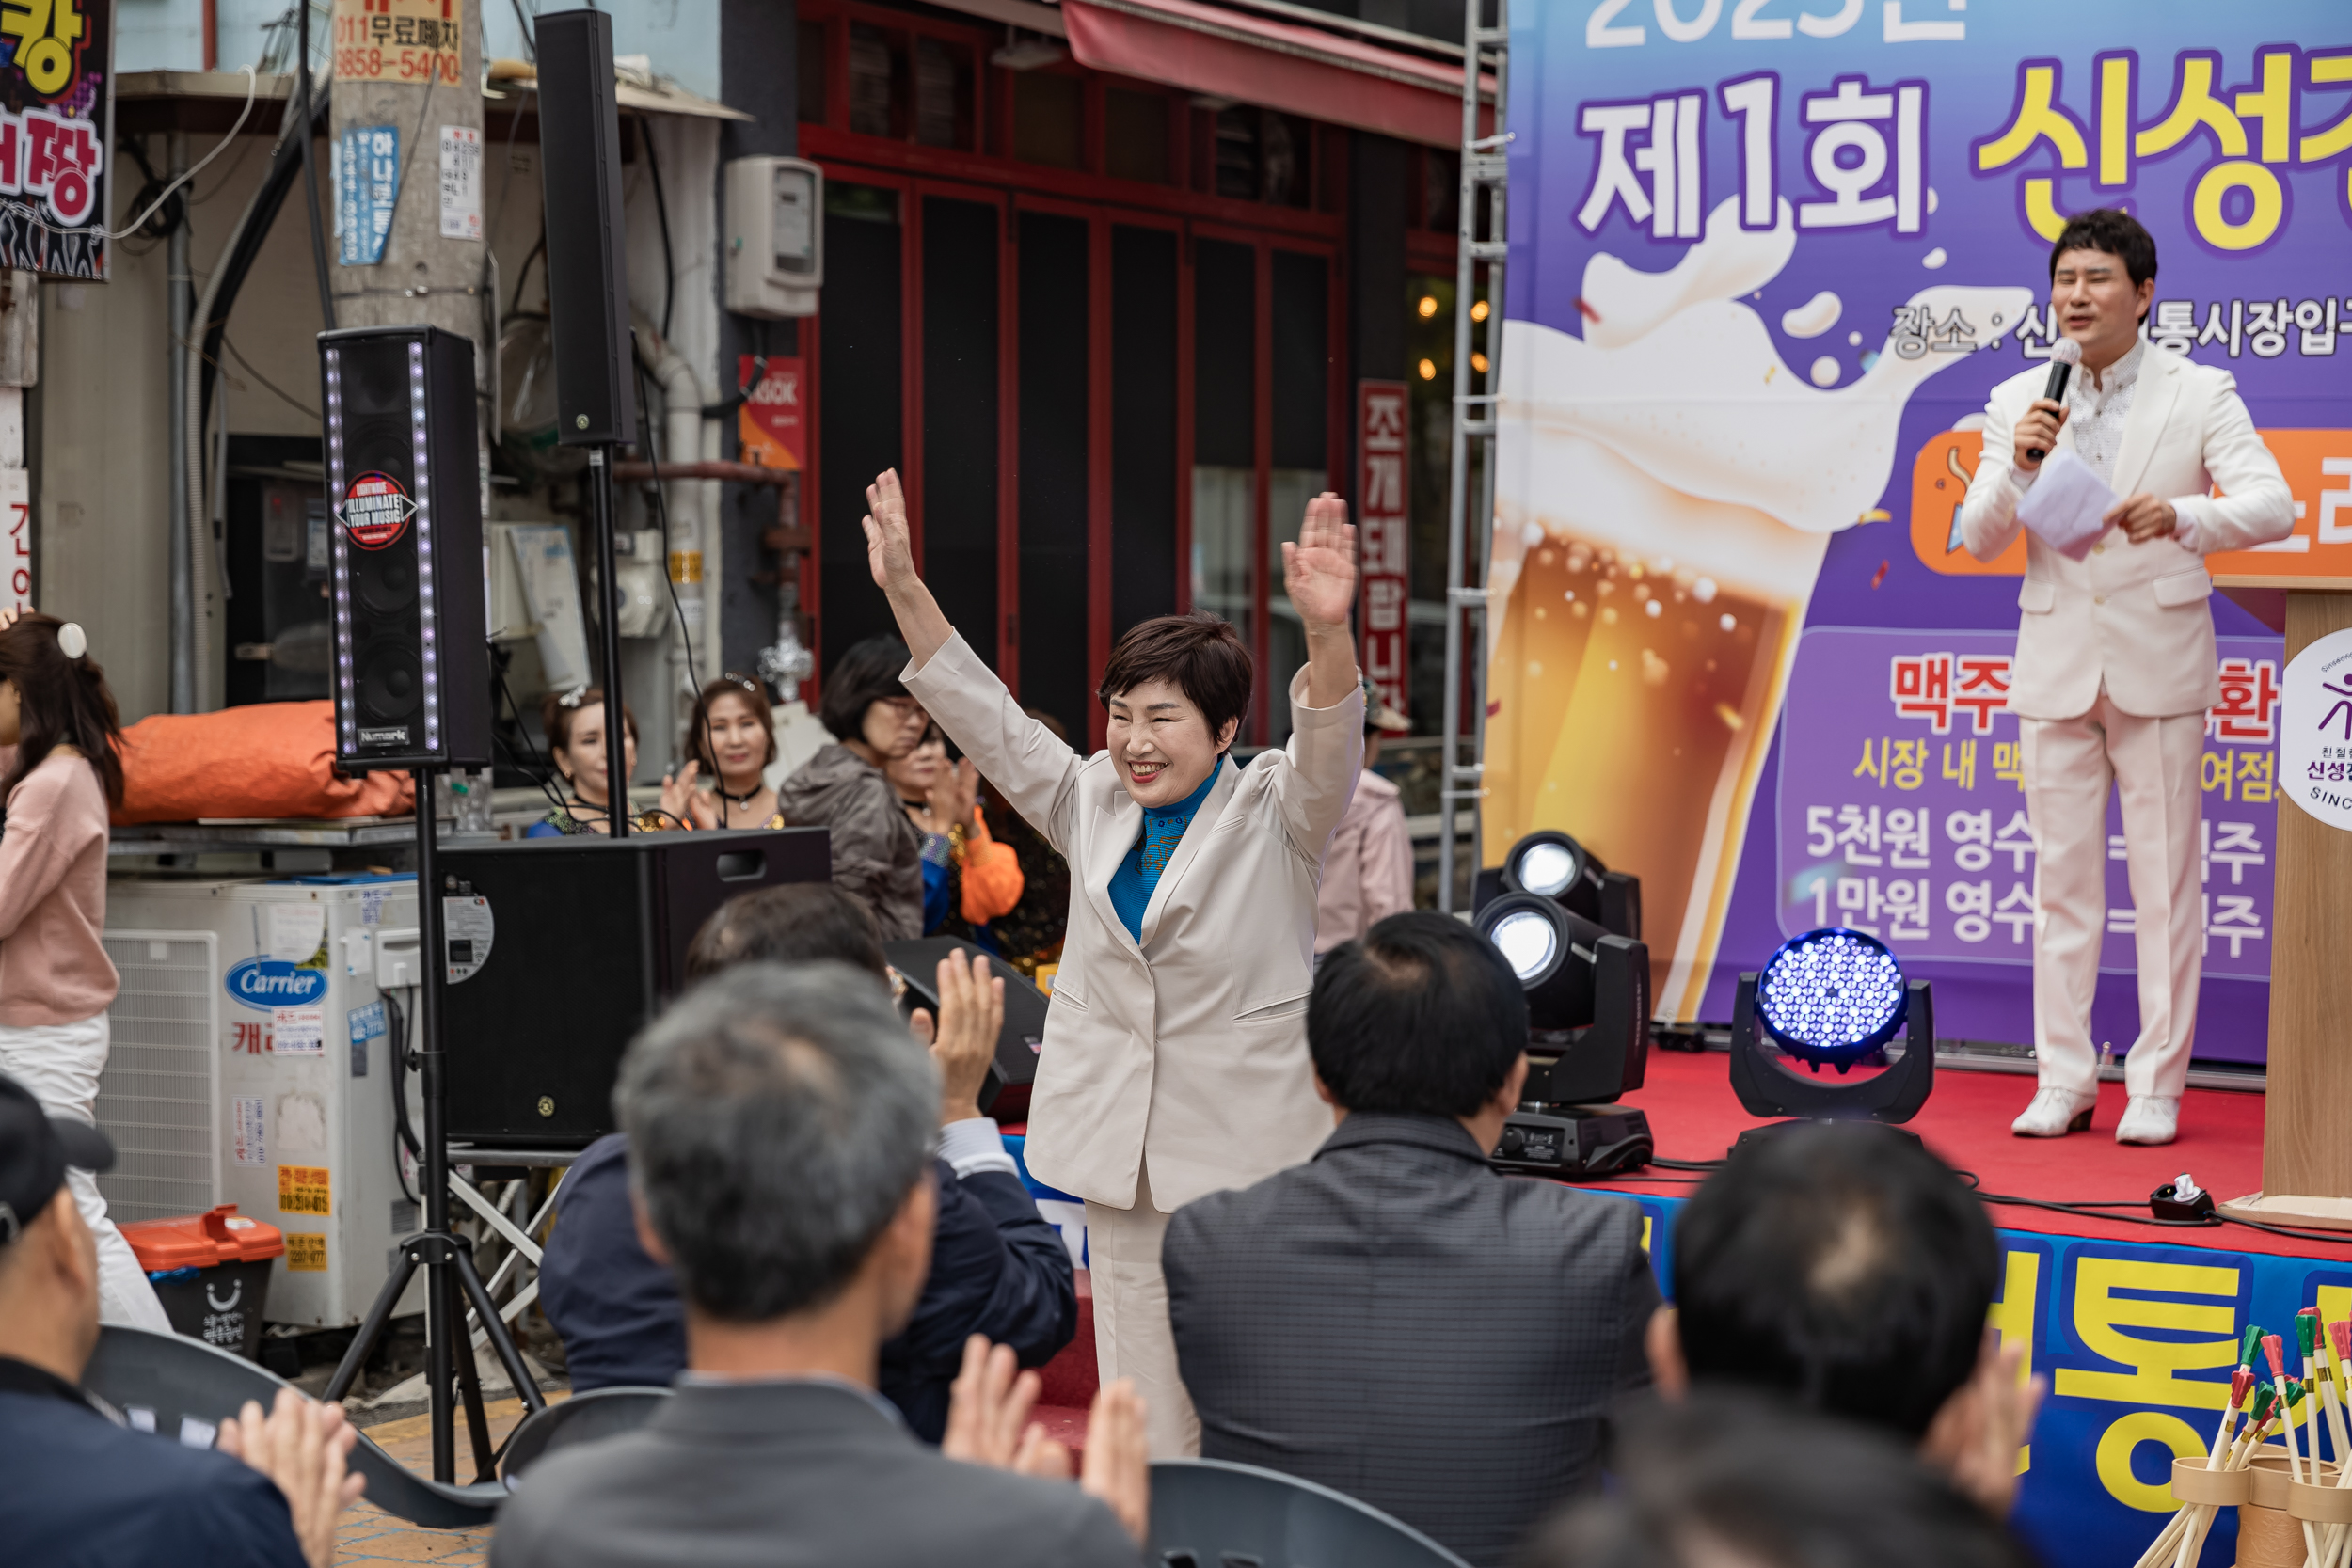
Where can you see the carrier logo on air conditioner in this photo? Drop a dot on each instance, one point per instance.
(271, 983)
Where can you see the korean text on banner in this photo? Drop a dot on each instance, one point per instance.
(399, 40)
(57, 136)
(1384, 536)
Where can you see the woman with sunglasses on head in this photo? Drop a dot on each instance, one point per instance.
(968, 878)
(575, 742)
(61, 770)
(731, 739)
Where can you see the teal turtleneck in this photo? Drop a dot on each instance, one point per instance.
(1139, 872)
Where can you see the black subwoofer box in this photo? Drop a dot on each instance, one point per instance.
(588, 940)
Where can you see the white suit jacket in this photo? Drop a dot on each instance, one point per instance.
(1189, 1047)
(2132, 615)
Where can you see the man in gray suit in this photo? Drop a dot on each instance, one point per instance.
(780, 1122)
(1392, 1318)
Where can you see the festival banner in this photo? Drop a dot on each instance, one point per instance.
(1766, 261)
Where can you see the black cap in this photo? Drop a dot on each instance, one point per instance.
(34, 1150)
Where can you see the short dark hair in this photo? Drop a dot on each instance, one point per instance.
(1841, 1263)
(777, 1117)
(866, 672)
(1200, 654)
(2114, 231)
(1422, 1017)
(1768, 1485)
(797, 923)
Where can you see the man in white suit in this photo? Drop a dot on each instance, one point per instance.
(1174, 1062)
(2115, 663)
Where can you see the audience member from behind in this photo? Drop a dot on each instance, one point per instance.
(60, 768)
(1733, 1481)
(876, 853)
(1393, 1319)
(780, 1122)
(998, 1269)
(82, 1488)
(1844, 1265)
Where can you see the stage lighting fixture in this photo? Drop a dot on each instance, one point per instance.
(1588, 1039)
(1553, 865)
(1831, 998)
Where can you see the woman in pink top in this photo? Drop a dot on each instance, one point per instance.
(58, 773)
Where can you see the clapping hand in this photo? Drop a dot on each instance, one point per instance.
(303, 1446)
(1975, 1439)
(971, 1015)
(956, 793)
(988, 1423)
(1319, 570)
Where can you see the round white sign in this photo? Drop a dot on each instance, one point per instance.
(2315, 730)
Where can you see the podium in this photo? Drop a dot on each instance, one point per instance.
(2307, 1159)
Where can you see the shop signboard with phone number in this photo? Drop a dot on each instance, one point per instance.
(399, 40)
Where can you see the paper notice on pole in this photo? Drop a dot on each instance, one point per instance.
(461, 183)
(2067, 505)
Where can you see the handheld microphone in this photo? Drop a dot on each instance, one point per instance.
(2064, 355)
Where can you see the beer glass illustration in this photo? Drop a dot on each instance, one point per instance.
(1665, 489)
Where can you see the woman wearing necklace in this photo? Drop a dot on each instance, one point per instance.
(1175, 1061)
(732, 739)
(968, 878)
(575, 741)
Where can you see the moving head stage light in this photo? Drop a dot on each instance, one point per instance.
(1553, 865)
(1831, 998)
(1587, 1039)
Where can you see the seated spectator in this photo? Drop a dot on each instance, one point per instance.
(1393, 1319)
(780, 1122)
(81, 1487)
(998, 1269)
(1731, 1481)
(1844, 1265)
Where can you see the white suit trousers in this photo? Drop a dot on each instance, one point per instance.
(60, 1063)
(1132, 1336)
(2154, 762)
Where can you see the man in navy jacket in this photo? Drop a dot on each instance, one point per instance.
(998, 1268)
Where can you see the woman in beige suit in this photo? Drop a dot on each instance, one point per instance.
(1175, 1061)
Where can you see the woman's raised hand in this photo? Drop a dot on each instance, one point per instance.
(956, 792)
(678, 796)
(889, 548)
(1319, 571)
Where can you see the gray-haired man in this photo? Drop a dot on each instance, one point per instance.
(780, 1122)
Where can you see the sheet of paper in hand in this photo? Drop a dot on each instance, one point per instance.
(2067, 505)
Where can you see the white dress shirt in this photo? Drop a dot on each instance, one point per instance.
(2097, 403)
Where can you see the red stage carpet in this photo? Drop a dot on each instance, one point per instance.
(1694, 1116)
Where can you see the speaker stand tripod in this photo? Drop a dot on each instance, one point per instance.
(446, 1257)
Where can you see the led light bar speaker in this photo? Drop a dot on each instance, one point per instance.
(1017, 1043)
(561, 949)
(580, 161)
(412, 665)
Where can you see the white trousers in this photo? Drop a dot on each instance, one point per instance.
(2155, 764)
(60, 1063)
(1132, 1336)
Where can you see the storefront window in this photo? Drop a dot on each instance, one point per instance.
(1301, 456)
(1225, 419)
(1134, 136)
(1049, 118)
(1429, 388)
(943, 94)
(876, 64)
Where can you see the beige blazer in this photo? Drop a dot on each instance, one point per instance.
(1187, 1048)
(2133, 616)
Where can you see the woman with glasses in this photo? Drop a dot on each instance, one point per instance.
(730, 740)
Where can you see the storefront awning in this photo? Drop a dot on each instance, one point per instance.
(1256, 59)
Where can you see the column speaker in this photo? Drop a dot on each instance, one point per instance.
(580, 161)
(412, 668)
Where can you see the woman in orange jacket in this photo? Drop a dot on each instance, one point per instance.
(968, 878)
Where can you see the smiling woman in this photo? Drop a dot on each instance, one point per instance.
(1175, 1061)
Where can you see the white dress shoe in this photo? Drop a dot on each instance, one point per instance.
(2056, 1112)
(2150, 1118)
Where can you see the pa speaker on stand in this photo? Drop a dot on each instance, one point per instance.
(412, 691)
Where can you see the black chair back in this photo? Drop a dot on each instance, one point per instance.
(1211, 1514)
(183, 1389)
(583, 1419)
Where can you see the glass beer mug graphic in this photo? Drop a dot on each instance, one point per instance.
(1665, 487)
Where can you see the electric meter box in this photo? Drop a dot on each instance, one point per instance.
(775, 236)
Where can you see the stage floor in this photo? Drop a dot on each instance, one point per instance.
(1694, 1116)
